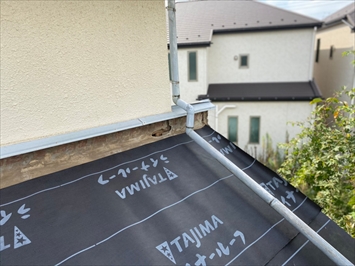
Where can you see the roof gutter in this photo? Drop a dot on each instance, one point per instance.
(268, 28)
(308, 232)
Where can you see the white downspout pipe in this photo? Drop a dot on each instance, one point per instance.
(316, 239)
(220, 111)
(174, 67)
(311, 63)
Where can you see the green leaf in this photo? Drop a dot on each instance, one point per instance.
(316, 100)
(320, 160)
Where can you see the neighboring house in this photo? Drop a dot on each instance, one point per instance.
(254, 61)
(332, 71)
(247, 112)
(90, 76)
(82, 80)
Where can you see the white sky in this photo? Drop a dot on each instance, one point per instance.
(317, 9)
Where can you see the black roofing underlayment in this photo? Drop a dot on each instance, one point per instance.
(166, 203)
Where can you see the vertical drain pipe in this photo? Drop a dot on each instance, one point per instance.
(308, 232)
(174, 68)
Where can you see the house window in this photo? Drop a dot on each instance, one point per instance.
(317, 51)
(192, 66)
(254, 133)
(243, 61)
(233, 129)
(331, 52)
(169, 66)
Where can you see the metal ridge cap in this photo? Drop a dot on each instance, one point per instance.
(53, 141)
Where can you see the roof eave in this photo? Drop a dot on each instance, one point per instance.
(338, 22)
(194, 44)
(269, 28)
(263, 99)
(349, 21)
(315, 88)
(252, 29)
(334, 21)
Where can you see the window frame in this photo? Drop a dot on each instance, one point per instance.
(240, 61)
(331, 51)
(188, 66)
(236, 136)
(250, 130)
(317, 50)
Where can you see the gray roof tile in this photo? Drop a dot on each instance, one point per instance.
(196, 20)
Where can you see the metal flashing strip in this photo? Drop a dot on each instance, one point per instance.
(49, 142)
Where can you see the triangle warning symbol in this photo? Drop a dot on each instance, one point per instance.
(165, 250)
(20, 239)
(170, 174)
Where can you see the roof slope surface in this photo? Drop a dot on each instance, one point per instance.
(166, 203)
(267, 91)
(198, 20)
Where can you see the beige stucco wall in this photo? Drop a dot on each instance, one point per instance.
(274, 118)
(283, 55)
(332, 74)
(73, 65)
(189, 90)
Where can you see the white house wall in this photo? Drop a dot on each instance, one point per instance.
(74, 65)
(274, 56)
(274, 118)
(189, 90)
(333, 73)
